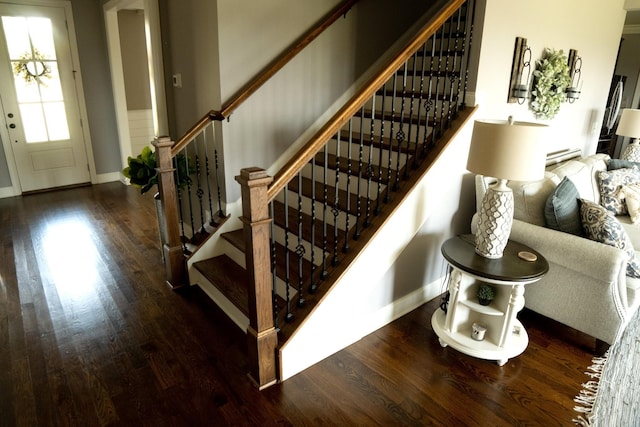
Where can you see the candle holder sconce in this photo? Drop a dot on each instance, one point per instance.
(520, 72)
(575, 73)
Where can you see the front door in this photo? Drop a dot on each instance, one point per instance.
(39, 99)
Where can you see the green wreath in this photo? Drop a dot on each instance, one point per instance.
(32, 67)
(551, 79)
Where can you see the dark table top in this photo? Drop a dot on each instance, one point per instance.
(460, 252)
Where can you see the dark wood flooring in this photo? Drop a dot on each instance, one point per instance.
(91, 336)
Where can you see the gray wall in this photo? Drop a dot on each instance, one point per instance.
(629, 65)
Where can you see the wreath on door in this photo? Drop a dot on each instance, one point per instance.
(32, 67)
(551, 79)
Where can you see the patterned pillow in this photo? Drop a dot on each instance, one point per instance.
(632, 200)
(600, 225)
(610, 182)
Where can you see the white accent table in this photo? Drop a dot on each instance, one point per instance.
(505, 336)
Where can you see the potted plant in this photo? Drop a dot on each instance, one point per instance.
(141, 170)
(486, 294)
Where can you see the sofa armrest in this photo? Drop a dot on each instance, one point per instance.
(603, 263)
(594, 259)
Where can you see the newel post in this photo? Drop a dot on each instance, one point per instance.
(174, 262)
(262, 336)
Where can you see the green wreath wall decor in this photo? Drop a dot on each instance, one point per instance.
(32, 67)
(551, 79)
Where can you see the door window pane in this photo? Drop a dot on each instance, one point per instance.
(35, 129)
(36, 78)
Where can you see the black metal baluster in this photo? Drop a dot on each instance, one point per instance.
(325, 196)
(313, 286)
(336, 199)
(428, 104)
(189, 193)
(199, 190)
(356, 233)
(438, 95)
(287, 261)
(185, 249)
(380, 151)
(455, 74)
(300, 251)
(387, 196)
(421, 98)
(274, 278)
(217, 168)
(345, 246)
(411, 118)
(448, 75)
(470, 38)
(207, 167)
(400, 135)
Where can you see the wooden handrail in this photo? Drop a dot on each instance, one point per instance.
(315, 144)
(264, 75)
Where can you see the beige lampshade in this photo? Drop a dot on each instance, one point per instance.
(629, 123)
(508, 150)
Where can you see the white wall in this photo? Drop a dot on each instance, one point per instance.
(592, 27)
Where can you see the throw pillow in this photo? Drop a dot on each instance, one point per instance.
(613, 164)
(562, 210)
(610, 182)
(632, 200)
(601, 226)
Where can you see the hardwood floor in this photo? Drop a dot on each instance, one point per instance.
(90, 335)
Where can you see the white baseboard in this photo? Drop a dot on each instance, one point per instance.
(107, 177)
(7, 192)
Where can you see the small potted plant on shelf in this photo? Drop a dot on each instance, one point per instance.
(485, 294)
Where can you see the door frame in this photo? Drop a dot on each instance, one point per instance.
(156, 68)
(75, 58)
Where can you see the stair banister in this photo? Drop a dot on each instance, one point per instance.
(176, 265)
(306, 153)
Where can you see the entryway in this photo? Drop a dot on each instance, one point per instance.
(135, 56)
(45, 142)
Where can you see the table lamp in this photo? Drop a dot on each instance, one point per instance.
(630, 126)
(505, 150)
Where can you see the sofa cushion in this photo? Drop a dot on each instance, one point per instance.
(580, 174)
(632, 201)
(529, 198)
(562, 210)
(600, 225)
(610, 183)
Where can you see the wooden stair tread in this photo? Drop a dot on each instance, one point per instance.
(230, 278)
(307, 220)
(306, 190)
(378, 174)
(236, 239)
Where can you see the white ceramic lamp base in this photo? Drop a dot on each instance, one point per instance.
(495, 220)
(632, 152)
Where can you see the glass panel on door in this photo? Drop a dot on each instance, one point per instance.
(36, 78)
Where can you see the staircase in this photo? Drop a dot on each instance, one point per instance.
(302, 230)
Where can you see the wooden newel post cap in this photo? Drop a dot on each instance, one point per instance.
(254, 175)
(163, 141)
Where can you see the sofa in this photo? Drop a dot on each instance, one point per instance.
(589, 286)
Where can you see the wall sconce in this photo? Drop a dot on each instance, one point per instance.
(520, 70)
(575, 70)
